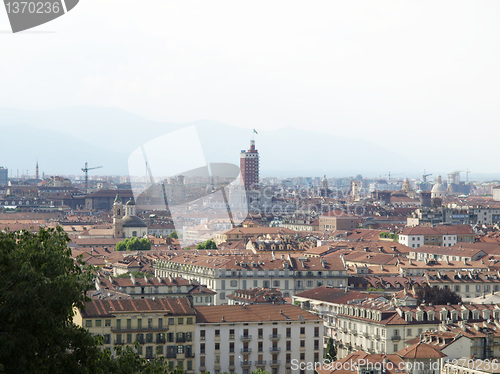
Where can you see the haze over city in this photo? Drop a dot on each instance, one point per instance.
(264, 187)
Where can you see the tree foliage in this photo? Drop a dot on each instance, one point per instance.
(173, 235)
(133, 244)
(137, 274)
(331, 351)
(437, 296)
(209, 244)
(40, 284)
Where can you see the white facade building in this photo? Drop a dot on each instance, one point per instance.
(226, 273)
(241, 339)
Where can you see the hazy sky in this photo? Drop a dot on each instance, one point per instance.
(419, 76)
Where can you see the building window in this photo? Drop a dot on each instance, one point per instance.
(202, 334)
(189, 320)
(88, 323)
(217, 346)
(107, 322)
(180, 321)
(316, 332)
(97, 323)
(288, 332)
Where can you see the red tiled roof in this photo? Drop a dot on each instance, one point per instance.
(251, 313)
(109, 308)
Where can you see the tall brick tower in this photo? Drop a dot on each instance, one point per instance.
(249, 166)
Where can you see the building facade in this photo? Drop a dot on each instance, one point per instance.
(245, 338)
(249, 166)
(225, 274)
(442, 235)
(161, 327)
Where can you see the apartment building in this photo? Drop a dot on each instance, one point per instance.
(247, 233)
(381, 326)
(442, 235)
(162, 327)
(141, 288)
(225, 274)
(244, 338)
(454, 253)
(468, 284)
(456, 214)
(337, 220)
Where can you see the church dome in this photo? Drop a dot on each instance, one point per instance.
(438, 190)
(133, 221)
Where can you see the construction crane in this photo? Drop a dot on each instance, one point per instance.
(86, 171)
(424, 177)
(389, 175)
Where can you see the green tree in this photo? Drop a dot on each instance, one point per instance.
(260, 371)
(39, 286)
(209, 244)
(173, 235)
(437, 296)
(331, 351)
(133, 244)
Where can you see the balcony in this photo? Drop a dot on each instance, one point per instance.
(275, 349)
(275, 362)
(119, 342)
(260, 363)
(139, 329)
(245, 364)
(274, 337)
(171, 355)
(246, 338)
(396, 338)
(180, 339)
(246, 350)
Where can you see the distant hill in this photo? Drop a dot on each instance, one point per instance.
(62, 140)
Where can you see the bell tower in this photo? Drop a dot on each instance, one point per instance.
(117, 217)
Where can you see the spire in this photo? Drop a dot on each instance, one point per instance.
(118, 199)
(36, 175)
